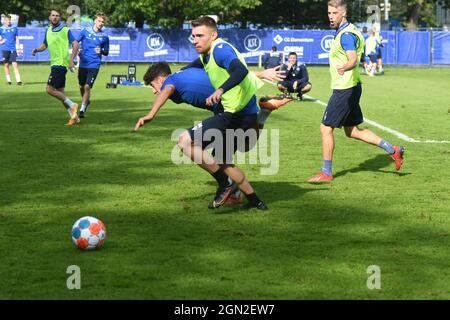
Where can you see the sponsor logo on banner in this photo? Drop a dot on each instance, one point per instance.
(326, 43)
(278, 39)
(114, 50)
(252, 42)
(297, 49)
(292, 39)
(26, 37)
(121, 38)
(155, 42)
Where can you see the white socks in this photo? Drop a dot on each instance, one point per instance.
(69, 102)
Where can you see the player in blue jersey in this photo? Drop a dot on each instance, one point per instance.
(10, 47)
(94, 45)
(192, 86)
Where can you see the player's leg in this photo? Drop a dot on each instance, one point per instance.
(13, 60)
(55, 87)
(17, 73)
(355, 118)
(6, 55)
(334, 117)
(242, 125)
(82, 77)
(306, 88)
(89, 80)
(193, 143)
(281, 87)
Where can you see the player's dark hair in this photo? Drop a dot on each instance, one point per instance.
(292, 53)
(57, 10)
(274, 48)
(156, 70)
(7, 16)
(204, 21)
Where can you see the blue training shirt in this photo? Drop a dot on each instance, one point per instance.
(348, 39)
(9, 34)
(223, 55)
(89, 41)
(191, 85)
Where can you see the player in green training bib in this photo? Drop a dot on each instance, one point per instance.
(343, 109)
(235, 88)
(57, 40)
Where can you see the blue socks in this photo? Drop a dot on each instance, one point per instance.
(386, 146)
(327, 167)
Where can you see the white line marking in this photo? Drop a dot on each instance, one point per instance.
(376, 124)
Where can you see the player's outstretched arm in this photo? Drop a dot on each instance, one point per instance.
(41, 48)
(272, 74)
(159, 102)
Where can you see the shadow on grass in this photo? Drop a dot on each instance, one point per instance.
(374, 164)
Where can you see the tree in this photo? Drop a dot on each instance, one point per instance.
(168, 13)
(422, 10)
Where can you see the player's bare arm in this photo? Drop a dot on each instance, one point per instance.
(352, 61)
(272, 74)
(75, 49)
(159, 102)
(41, 48)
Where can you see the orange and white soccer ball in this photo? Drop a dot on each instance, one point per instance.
(88, 233)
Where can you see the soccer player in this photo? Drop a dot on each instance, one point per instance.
(365, 34)
(10, 46)
(343, 109)
(58, 38)
(379, 39)
(371, 48)
(235, 88)
(94, 44)
(192, 86)
(297, 79)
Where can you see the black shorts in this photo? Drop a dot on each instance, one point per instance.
(235, 131)
(343, 109)
(379, 53)
(57, 78)
(373, 58)
(87, 76)
(9, 56)
(289, 84)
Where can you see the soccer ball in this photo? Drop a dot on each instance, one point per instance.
(88, 233)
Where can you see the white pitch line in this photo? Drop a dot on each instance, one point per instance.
(376, 124)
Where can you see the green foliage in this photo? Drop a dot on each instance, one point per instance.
(266, 13)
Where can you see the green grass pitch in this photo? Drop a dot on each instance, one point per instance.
(315, 242)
